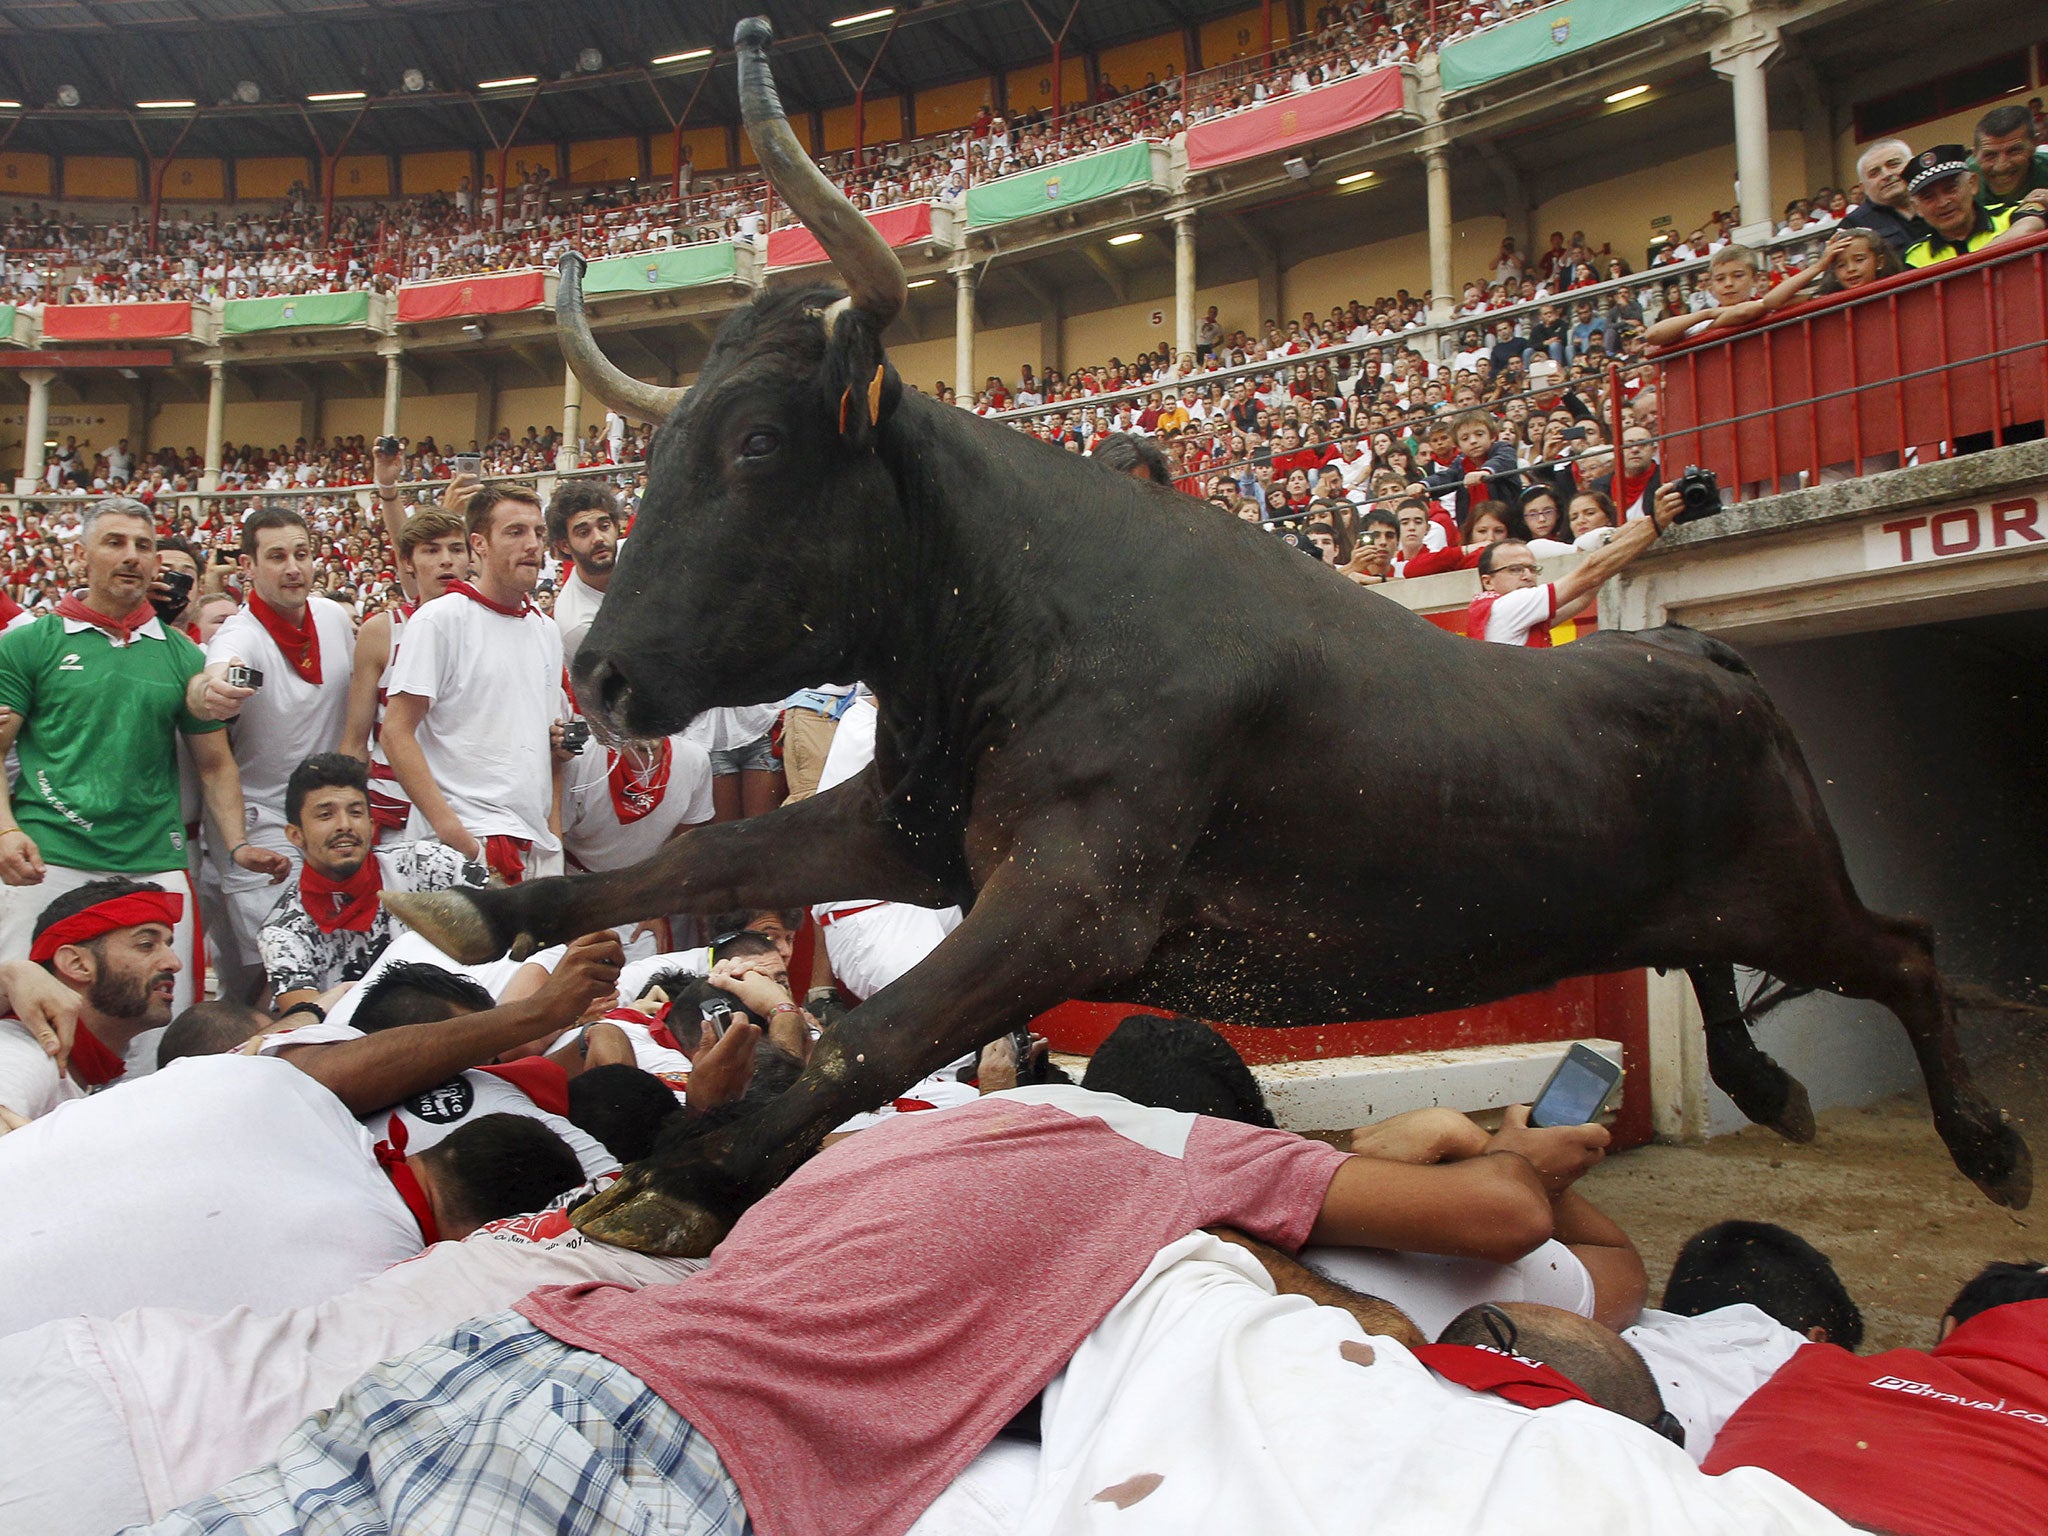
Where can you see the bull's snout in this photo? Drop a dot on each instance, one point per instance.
(605, 693)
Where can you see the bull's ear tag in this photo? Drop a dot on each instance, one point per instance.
(874, 399)
(845, 399)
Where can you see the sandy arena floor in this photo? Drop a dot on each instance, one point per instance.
(1876, 1192)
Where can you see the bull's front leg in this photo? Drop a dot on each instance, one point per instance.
(834, 846)
(1052, 923)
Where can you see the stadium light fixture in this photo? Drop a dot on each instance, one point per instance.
(164, 106)
(1616, 98)
(499, 85)
(1355, 178)
(338, 96)
(10, 106)
(1131, 238)
(853, 21)
(920, 282)
(685, 56)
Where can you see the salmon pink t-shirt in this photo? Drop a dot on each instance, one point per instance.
(867, 1328)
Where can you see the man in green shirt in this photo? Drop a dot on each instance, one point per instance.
(93, 697)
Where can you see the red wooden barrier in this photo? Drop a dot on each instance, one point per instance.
(1913, 362)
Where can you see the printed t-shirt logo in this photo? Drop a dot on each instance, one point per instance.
(72, 662)
(443, 1105)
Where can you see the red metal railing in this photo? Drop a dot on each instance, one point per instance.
(1920, 366)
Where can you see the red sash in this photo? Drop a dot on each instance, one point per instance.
(507, 855)
(298, 643)
(350, 903)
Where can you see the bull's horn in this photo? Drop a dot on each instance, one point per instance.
(873, 276)
(605, 379)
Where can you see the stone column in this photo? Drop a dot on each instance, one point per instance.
(572, 420)
(1744, 65)
(216, 422)
(1436, 164)
(394, 387)
(1183, 281)
(36, 430)
(964, 380)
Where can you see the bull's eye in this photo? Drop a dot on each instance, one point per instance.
(759, 444)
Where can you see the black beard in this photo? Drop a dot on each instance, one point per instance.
(124, 996)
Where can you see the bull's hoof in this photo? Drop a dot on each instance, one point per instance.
(1996, 1159)
(1770, 1096)
(632, 1215)
(1794, 1119)
(451, 921)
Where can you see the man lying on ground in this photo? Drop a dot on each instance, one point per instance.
(239, 1181)
(1951, 1441)
(689, 1416)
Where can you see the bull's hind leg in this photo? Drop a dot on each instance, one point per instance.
(1890, 960)
(1761, 1089)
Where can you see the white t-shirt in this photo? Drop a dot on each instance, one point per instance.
(220, 1182)
(492, 975)
(1515, 613)
(635, 975)
(1707, 1366)
(30, 1083)
(495, 683)
(576, 604)
(592, 834)
(1433, 1289)
(288, 719)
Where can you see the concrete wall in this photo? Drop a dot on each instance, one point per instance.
(1622, 210)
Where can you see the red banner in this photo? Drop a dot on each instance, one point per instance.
(1293, 120)
(798, 247)
(116, 322)
(497, 293)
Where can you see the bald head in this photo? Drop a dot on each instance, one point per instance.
(1597, 1360)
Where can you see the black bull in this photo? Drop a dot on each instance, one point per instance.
(1164, 759)
(1160, 758)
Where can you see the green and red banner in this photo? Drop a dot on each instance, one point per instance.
(798, 247)
(493, 293)
(677, 266)
(1059, 186)
(292, 311)
(1537, 37)
(116, 322)
(1294, 120)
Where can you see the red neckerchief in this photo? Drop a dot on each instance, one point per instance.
(541, 1080)
(475, 596)
(391, 1158)
(10, 610)
(1526, 1383)
(350, 903)
(298, 643)
(634, 794)
(120, 631)
(92, 1063)
(1628, 490)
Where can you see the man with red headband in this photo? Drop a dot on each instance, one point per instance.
(304, 646)
(329, 927)
(475, 694)
(94, 697)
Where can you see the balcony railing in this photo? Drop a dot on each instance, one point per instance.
(1924, 365)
